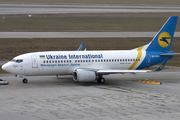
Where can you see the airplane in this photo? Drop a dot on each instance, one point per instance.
(92, 65)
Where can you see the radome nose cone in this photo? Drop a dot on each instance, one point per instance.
(6, 67)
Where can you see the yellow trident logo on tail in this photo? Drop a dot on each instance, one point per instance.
(164, 39)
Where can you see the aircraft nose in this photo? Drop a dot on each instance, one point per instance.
(6, 67)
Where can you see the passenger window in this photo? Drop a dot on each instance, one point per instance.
(70, 61)
(49, 61)
(83, 60)
(104, 60)
(112, 60)
(61, 61)
(95, 60)
(75, 60)
(44, 61)
(86, 60)
(117, 60)
(109, 60)
(101, 60)
(55, 61)
(89, 60)
(92, 60)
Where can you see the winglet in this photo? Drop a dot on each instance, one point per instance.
(162, 65)
(81, 47)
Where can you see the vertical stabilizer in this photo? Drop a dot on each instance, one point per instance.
(163, 39)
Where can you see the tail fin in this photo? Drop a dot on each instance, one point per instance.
(163, 39)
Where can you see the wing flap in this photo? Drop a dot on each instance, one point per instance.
(116, 71)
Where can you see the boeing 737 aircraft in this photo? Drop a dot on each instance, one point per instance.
(92, 65)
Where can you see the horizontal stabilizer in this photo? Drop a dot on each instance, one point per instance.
(166, 54)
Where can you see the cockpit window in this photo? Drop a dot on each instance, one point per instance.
(13, 60)
(17, 61)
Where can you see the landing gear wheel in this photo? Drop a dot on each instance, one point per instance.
(24, 80)
(101, 80)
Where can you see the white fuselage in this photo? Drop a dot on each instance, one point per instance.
(64, 63)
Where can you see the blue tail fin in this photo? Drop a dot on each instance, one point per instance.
(163, 39)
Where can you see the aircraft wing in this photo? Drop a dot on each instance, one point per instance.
(116, 71)
(81, 47)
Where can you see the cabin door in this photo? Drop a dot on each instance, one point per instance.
(34, 61)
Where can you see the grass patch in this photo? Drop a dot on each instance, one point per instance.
(10, 48)
(105, 22)
(173, 62)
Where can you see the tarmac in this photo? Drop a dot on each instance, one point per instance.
(64, 9)
(120, 97)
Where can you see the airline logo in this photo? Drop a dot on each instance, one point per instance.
(164, 39)
(161, 66)
(42, 56)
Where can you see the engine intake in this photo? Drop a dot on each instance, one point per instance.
(84, 76)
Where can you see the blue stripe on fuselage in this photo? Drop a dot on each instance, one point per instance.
(152, 58)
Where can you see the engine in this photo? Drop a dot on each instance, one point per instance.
(84, 76)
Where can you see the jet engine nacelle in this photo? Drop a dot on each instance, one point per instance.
(84, 76)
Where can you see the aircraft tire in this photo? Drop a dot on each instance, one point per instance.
(101, 80)
(25, 81)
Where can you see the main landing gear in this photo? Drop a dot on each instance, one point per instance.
(25, 80)
(101, 80)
